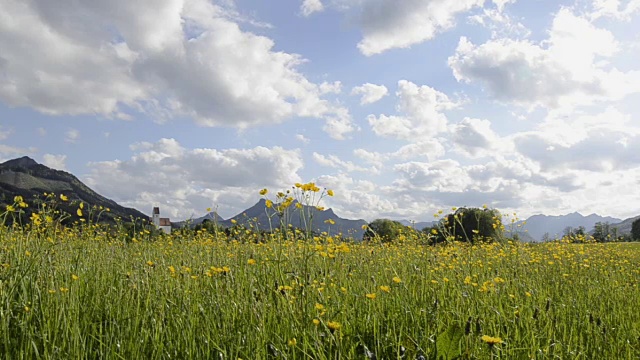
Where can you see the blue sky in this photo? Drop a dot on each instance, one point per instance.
(403, 108)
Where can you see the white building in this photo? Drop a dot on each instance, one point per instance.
(163, 224)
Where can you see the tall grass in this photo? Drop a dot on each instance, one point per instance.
(78, 294)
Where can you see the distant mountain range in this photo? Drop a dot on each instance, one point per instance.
(257, 216)
(537, 226)
(25, 177)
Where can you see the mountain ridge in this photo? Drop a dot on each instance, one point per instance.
(27, 178)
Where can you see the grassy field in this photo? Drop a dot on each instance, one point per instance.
(77, 293)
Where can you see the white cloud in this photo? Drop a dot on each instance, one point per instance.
(72, 135)
(187, 181)
(309, 7)
(614, 9)
(370, 93)
(389, 24)
(500, 23)
(562, 72)
(166, 58)
(338, 125)
(421, 109)
(303, 139)
(4, 133)
(476, 138)
(428, 149)
(55, 161)
(330, 88)
(334, 161)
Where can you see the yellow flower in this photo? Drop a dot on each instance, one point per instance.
(10, 208)
(316, 322)
(208, 209)
(150, 263)
(371, 296)
(397, 280)
(79, 212)
(329, 221)
(251, 261)
(264, 192)
(527, 293)
(75, 277)
(333, 325)
(319, 306)
(268, 203)
(52, 291)
(63, 197)
(81, 205)
(17, 199)
(64, 289)
(491, 340)
(233, 221)
(292, 342)
(330, 192)
(385, 288)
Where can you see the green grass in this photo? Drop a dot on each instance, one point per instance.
(76, 295)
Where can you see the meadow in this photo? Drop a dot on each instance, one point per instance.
(82, 292)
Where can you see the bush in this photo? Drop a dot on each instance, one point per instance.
(468, 225)
(384, 229)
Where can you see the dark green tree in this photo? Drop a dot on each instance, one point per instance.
(469, 225)
(384, 229)
(635, 230)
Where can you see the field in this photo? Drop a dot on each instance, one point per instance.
(80, 293)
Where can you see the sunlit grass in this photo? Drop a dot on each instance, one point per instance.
(81, 295)
(91, 292)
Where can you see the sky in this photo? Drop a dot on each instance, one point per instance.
(402, 107)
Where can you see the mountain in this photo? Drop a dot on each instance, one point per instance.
(212, 216)
(418, 225)
(624, 227)
(25, 177)
(256, 216)
(538, 225)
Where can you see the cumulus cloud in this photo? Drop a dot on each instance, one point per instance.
(72, 135)
(188, 181)
(614, 9)
(303, 139)
(55, 161)
(370, 93)
(389, 24)
(476, 138)
(604, 142)
(166, 58)
(309, 7)
(562, 72)
(334, 161)
(421, 113)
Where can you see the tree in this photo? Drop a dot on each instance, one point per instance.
(469, 225)
(602, 232)
(384, 229)
(635, 230)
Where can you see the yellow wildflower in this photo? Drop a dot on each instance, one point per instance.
(371, 296)
(491, 340)
(385, 288)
